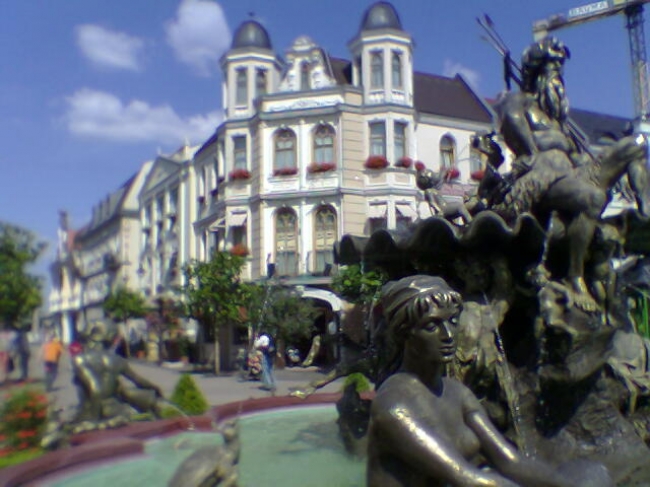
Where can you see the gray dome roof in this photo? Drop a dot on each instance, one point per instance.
(251, 34)
(381, 15)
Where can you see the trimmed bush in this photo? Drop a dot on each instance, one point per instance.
(361, 382)
(188, 397)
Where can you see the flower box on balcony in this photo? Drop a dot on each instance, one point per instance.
(419, 166)
(239, 250)
(214, 192)
(405, 162)
(239, 174)
(316, 167)
(478, 175)
(285, 171)
(452, 173)
(376, 162)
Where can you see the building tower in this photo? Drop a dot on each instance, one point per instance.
(250, 69)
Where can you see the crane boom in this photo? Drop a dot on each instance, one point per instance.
(633, 10)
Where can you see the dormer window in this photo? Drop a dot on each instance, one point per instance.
(376, 70)
(304, 76)
(396, 70)
(241, 95)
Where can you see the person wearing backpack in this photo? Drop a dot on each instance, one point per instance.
(265, 344)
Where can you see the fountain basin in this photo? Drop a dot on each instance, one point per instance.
(305, 433)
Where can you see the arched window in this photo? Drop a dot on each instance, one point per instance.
(285, 150)
(475, 160)
(286, 242)
(376, 70)
(260, 82)
(304, 76)
(241, 94)
(324, 144)
(447, 152)
(325, 236)
(396, 70)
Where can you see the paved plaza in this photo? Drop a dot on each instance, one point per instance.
(217, 389)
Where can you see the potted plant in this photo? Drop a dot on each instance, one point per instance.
(240, 250)
(452, 173)
(285, 171)
(239, 174)
(405, 162)
(419, 166)
(376, 162)
(317, 167)
(478, 175)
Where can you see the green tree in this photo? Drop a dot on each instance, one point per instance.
(122, 304)
(20, 292)
(214, 294)
(357, 286)
(282, 312)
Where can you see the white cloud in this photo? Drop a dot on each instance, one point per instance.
(199, 35)
(451, 68)
(92, 113)
(109, 49)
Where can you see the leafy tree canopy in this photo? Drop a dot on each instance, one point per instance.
(123, 304)
(20, 292)
(281, 312)
(358, 286)
(213, 290)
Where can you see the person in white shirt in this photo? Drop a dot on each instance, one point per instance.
(264, 343)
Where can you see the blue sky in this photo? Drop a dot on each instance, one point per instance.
(91, 89)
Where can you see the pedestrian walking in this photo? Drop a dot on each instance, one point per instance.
(52, 351)
(22, 353)
(6, 359)
(264, 343)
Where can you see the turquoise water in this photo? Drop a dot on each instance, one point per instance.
(288, 448)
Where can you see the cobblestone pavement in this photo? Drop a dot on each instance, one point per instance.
(217, 389)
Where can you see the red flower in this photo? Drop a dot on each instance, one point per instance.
(452, 173)
(404, 162)
(419, 166)
(239, 174)
(285, 171)
(316, 167)
(376, 162)
(4, 452)
(478, 175)
(26, 434)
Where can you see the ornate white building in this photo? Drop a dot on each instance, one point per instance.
(97, 258)
(167, 205)
(289, 171)
(313, 147)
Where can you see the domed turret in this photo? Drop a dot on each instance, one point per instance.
(381, 15)
(251, 34)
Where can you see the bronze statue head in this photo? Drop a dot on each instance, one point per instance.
(542, 67)
(421, 312)
(101, 335)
